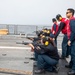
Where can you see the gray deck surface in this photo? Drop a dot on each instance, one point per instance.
(14, 58)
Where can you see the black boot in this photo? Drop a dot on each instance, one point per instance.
(56, 69)
(62, 57)
(35, 64)
(68, 66)
(39, 71)
(71, 73)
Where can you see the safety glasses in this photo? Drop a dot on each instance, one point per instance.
(68, 12)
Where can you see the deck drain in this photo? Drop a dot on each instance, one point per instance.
(4, 54)
(27, 57)
(26, 62)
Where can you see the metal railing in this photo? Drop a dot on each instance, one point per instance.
(27, 30)
(24, 29)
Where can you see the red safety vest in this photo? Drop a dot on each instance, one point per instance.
(64, 30)
(53, 31)
(68, 27)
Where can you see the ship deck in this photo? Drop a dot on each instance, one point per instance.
(17, 57)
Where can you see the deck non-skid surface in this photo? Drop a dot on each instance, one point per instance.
(15, 61)
(15, 56)
(62, 70)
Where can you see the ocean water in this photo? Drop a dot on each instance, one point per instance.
(25, 29)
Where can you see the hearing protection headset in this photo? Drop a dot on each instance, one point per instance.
(46, 41)
(48, 31)
(44, 31)
(59, 17)
(43, 36)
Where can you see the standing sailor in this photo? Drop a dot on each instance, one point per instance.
(71, 38)
(54, 29)
(63, 28)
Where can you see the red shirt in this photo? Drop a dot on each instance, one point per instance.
(53, 30)
(64, 30)
(68, 28)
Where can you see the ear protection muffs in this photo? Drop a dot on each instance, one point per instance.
(48, 31)
(60, 18)
(46, 43)
(43, 36)
(44, 31)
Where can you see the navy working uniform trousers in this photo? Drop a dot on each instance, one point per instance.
(72, 63)
(72, 39)
(45, 62)
(65, 47)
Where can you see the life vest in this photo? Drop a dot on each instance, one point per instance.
(53, 31)
(64, 30)
(68, 27)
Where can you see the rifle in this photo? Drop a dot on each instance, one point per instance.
(24, 43)
(30, 38)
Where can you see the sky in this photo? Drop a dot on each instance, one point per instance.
(32, 12)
